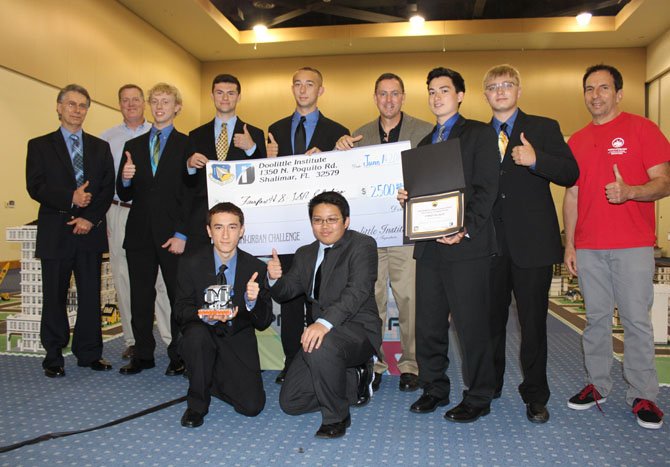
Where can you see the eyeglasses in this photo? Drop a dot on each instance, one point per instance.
(73, 105)
(327, 220)
(505, 86)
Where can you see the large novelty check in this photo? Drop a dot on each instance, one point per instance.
(273, 193)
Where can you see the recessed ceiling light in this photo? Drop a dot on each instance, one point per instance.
(583, 19)
(417, 20)
(260, 29)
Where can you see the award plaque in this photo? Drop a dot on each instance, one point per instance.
(434, 216)
(218, 302)
(435, 183)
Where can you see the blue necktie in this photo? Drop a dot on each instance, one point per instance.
(77, 160)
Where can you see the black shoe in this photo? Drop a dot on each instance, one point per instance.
(465, 413)
(136, 365)
(537, 413)
(281, 377)
(175, 368)
(97, 365)
(334, 430)
(54, 371)
(427, 404)
(364, 391)
(376, 382)
(408, 382)
(192, 419)
(128, 353)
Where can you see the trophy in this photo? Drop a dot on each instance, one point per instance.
(218, 302)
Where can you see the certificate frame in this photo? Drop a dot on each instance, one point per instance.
(427, 217)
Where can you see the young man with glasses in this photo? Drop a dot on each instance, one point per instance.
(532, 154)
(337, 272)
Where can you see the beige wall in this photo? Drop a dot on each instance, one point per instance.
(658, 56)
(551, 84)
(45, 44)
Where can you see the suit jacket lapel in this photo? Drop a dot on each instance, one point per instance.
(311, 262)
(457, 128)
(514, 137)
(210, 141)
(165, 153)
(63, 153)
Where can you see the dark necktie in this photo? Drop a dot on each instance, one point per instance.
(221, 277)
(156, 151)
(77, 160)
(300, 137)
(502, 140)
(317, 276)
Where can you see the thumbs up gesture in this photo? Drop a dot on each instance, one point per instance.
(274, 266)
(128, 168)
(618, 191)
(524, 154)
(243, 140)
(272, 148)
(253, 288)
(80, 197)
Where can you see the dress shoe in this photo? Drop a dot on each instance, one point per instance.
(54, 371)
(334, 430)
(365, 375)
(136, 365)
(427, 404)
(537, 413)
(408, 382)
(97, 365)
(192, 419)
(376, 382)
(175, 368)
(128, 353)
(465, 413)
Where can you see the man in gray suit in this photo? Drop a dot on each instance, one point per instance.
(395, 263)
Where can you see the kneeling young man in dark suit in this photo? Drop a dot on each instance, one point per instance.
(221, 356)
(337, 273)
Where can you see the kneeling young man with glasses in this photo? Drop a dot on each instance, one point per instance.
(337, 273)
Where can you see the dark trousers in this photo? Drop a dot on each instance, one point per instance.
(325, 379)
(214, 368)
(293, 318)
(460, 290)
(54, 327)
(531, 291)
(143, 267)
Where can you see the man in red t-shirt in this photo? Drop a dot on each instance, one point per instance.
(610, 233)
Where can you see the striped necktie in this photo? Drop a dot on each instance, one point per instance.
(156, 151)
(222, 143)
(440, 135)
(77, 160)
(502, 140)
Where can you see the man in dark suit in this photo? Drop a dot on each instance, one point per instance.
(152, 173)
(533, 153)
(306, 131)
(452, 272)
(222, 355)
(337, 272)
(71, 174)
(226, 137)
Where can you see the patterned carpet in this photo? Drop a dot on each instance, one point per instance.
(384, 432)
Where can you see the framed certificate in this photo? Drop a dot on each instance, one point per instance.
(434, 216)
(434, 179)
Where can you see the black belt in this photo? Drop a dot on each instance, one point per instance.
(121, 203)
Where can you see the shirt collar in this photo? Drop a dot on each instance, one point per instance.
(510, 123)
(310, 118)
(66, 133)
(165, 132)
(231, 263)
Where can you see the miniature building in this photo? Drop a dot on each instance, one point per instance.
(26, 325)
